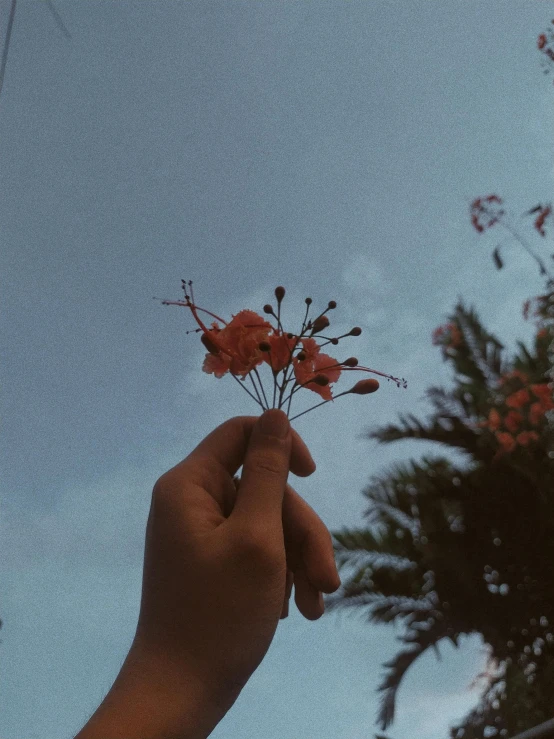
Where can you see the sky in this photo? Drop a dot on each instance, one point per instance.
(330, 147)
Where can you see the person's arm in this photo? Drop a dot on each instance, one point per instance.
(156, 701)
(220, 562)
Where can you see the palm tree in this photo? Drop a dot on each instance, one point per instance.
(453, 551)
(512, 702)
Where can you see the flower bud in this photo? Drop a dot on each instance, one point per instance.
(363, 387)
(332, 304)
(320, 323)
(279, 293)
(334, 341)
(208, 343)
(301, 356)
(350, 362)
(264, 346)
(321, 380)
(308, 301)
(268, 308)
(356, 331)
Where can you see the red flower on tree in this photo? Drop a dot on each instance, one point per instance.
(544, 212)
(482, 207)
(547, 50)
(524, 411)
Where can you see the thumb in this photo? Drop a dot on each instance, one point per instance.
(259, 501)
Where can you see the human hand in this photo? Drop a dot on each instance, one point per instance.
(220, 562)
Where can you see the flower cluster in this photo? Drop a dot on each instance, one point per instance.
(239, 346)
(485, 214)
(524, 406)
(521, 409)
(482, 207)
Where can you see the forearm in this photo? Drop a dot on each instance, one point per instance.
(154, 701)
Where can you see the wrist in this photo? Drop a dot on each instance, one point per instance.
(153, 698)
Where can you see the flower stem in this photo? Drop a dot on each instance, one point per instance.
(283, 387)
(514, 233)
(317, 406)
(295, 388)
(248, 391)
(263, 391)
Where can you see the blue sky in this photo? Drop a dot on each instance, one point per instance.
(330, 147)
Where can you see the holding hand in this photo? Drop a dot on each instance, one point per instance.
(220, 562)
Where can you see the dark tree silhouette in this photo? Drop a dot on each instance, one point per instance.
(453, 550)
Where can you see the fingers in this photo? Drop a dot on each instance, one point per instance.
(309, 545)
(288, 591)
(213, 463)
(308, 542)
(308, 599)
(259, 501)
(226, 445)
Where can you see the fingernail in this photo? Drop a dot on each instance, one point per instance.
(275, 423)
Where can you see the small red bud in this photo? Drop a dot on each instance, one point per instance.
(279, 293)
(350, 362)
(320, 323)
(356, 331)
(268, 308)
(301, 356)
(208, 343)
(321, 380)
(308, 301)
(334, 341)
(363, 387)
(332, 304)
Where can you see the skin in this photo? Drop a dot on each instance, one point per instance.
(220, 562)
